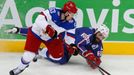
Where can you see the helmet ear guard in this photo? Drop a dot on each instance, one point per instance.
(70, 7)
(103, 29)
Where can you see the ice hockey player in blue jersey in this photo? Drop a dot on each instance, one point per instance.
(88, 41)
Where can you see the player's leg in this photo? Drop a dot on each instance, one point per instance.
(23, 31)
(25, 60)
(41, 54)
(61, 60)
(54, 51)
(31, 47)
(67, 52)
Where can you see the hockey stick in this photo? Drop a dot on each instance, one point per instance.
(101, 72)
(100, 68)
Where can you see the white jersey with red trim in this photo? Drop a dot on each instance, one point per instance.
(52, 17)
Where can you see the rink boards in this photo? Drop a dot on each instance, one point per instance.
(117, 48)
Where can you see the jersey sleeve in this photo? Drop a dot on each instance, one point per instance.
(83, 36)
(99, 50)
(65, 27)
(47, 15)
(81, 45)
(43, 19)
(52, 17)
(59, 25)
(58, 29)
(40, 23)
(23, 31)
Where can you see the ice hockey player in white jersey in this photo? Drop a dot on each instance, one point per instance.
(46, 27)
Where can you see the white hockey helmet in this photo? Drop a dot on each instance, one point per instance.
(103, 29)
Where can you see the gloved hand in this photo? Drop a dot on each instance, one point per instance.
(72, 49)
(92, 60)
(51, 31)
(13, 30)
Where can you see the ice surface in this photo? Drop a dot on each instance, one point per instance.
(116, 65)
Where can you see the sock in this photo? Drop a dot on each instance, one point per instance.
(26, 59)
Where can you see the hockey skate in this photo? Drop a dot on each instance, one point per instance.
(17, 71)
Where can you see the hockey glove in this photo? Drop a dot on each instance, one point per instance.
(51, 32)
(92, 60)
(14, 30)
(72, 49)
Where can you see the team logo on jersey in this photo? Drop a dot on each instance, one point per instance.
(95, 46)
(86, 37)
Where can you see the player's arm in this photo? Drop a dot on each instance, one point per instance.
(50, 15)
(17, 30)
(41, 22)
(67, 26)
(88, 55)
(91, 59)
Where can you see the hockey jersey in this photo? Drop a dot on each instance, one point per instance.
(52, 17)
(83, 37)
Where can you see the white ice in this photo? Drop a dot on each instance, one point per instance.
(114, 64)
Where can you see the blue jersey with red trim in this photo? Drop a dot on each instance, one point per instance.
(84, 39)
